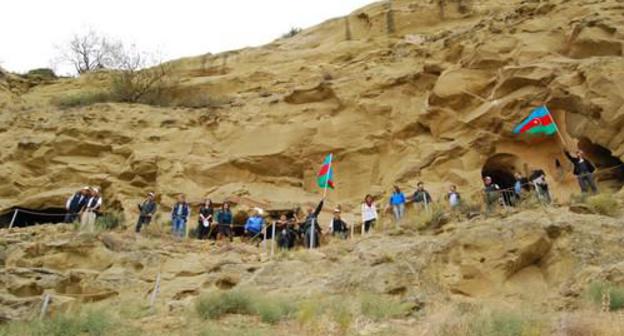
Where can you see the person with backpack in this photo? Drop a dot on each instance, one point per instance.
(225, 223)
(397, 202)
(147, 209)
(91, 210)
(75, 203)
(180, 214)
(311, 220)
(337, 226)
(204, 222)
(584, 171)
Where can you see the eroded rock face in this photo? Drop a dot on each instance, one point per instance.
(433, 99)
(544, 257)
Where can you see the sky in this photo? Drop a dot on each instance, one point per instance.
(30, 29)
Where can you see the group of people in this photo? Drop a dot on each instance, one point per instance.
(293, 228)
(85, 205)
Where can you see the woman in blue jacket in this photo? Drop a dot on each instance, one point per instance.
(397, 202)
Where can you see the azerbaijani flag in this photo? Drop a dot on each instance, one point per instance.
(539, 122)
(325, 176)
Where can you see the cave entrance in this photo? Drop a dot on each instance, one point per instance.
(610, 168)
(501, 168)
(28, 217)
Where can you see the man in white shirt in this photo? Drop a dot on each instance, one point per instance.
(90, 210)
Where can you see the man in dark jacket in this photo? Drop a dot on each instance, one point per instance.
(584, 171)
(147, 209)
(421, 195)
(75, 203)
(310, 221)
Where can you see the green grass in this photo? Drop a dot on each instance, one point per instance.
(82, 99)
(379, 307)
(217, 304)
(598, 289)
(91, 323)
(109, 220)
(491, 322)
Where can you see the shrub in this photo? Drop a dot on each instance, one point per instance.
(109, 220)
(97, 323)
(604, 204)
(41, 73)
(423, 219)
(597, 290)
(220, 303)
(491, 323)
(82, 99)
(294, 31)
(381, 307)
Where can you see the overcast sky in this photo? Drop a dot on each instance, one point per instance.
(29, 29)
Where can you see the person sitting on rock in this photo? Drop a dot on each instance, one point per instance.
(75, 203)
(338, 227)
(254, 226)
(204, 223)
(311, 237)
(453, 198)
(491, 193)
(538, 179)
(147, 209)
(180, 214)
(584, 171)
(369, 213)
(397, 202)
(421, 196)
(91, 210)
(225, 222)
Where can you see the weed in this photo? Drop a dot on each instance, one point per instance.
(82, 99)
(109, 220)
(381, 307)
(598, 289)
(294, 31)
(220, 303)
(604, 204)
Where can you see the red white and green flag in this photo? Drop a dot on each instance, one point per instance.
(325, 176)
(540, 121)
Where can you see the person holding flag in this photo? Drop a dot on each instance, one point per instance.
(311, 229)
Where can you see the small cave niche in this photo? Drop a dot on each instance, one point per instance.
(501, 168)
(610, 169)
(28, 217)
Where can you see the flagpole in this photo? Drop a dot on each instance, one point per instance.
(331, 158)
(563, 142)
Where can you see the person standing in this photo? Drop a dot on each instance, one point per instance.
(147, 209)
(225, 222)
(90, 210)
(491, 192)
(75, 203)
(369, 213)
(254, 225)
(338, 227)
(584, 171)
(538, 179)
(312, 221)
(397, 202)
(204, 223)
(453, 197)
(286, 232)
(179, 216)
(422, 196)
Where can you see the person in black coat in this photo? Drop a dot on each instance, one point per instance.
(147, 209)
(584, 171)
(205, 220)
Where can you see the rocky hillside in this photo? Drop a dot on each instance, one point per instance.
(536, 267)
(400, 92)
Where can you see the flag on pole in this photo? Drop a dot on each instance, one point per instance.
(540, 121)
(325, 177)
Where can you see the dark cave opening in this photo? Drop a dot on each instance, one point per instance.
(28, 217)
